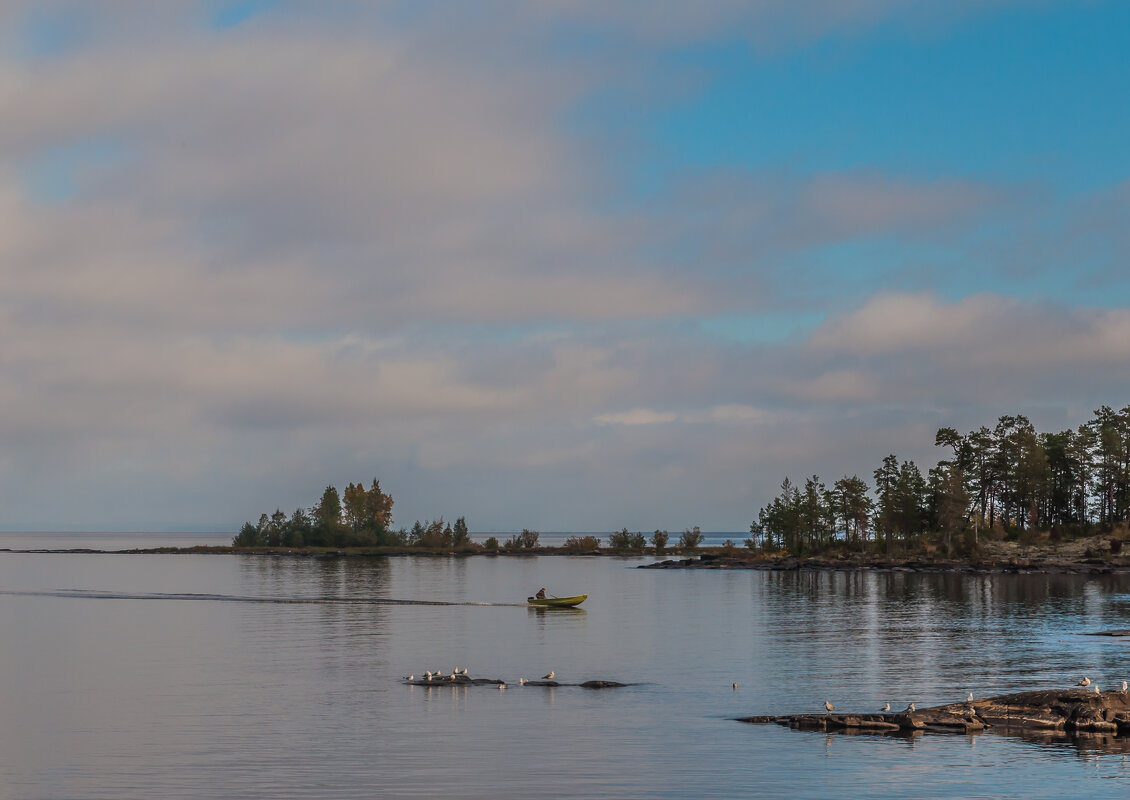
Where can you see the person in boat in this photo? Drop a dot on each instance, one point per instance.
(541, 593)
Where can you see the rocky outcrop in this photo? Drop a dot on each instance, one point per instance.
(863, 562)
(1051, 711)
(463, 680)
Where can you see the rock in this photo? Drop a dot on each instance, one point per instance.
(1058, 711)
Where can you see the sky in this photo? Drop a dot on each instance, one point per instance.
(575, 265)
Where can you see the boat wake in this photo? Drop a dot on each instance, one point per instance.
(99, 594)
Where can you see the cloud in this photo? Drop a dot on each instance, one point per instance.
(985, 331)
(755, 218)
(637, 416)
(327, 245)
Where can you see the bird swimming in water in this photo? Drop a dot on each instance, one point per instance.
(909, 708)
(1085, 682)
(548, 677)
(970, 698)
(829, 707)
(886, 707)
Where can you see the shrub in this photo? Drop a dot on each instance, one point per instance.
(526, 540)
(691, 539)
(659, 539)
(491, 543)
(581, 544)
(624, 542)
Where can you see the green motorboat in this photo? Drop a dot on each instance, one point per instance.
(556, 602)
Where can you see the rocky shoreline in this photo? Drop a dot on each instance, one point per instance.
(1089, 566)
(1062, 711)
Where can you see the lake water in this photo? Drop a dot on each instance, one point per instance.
(142, 676)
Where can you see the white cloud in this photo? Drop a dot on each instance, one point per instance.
(637, 416)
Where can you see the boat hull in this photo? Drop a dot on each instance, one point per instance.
(557, 602)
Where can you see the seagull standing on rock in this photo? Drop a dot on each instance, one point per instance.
(886, 707)
(548, 677)
(1097, 689)
(1085, 682)
(1124, 686)
(829, 707)
(909, 708)
(970, 698)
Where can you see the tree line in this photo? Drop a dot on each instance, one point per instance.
(1010, 480)
(357, 517)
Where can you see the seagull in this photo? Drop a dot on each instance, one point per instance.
(735, 686)
(522, 681)
(1085, 682)
(428, 676)
(548, 677)
(501, 686)
(970, 698)
(456, 671)
(1124, 686)
(410, 678)
(909, 708)
(886, 707)
(1097, 689)
(830, 708)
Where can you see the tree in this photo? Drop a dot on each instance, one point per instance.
(328, 526)
(248, 536)
(298, 528)
(353, 506)
(378, 507)
(910, 506)
(460, 534)
(851, 508)
(690, 539)
(886, 484)
(624, 542)
(526, 540)
(659, 540)
(953, 504)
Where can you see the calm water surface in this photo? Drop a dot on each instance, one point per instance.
(116, 683)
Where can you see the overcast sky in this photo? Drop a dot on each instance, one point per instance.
(559, 265)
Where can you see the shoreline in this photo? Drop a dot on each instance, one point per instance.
(704, 559)
(910, 564)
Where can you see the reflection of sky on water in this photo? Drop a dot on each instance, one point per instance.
(137, 697)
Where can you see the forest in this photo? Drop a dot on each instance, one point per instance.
(1008, 481)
